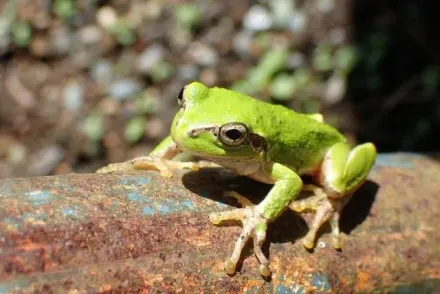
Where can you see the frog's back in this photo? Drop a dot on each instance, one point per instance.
(294, 139)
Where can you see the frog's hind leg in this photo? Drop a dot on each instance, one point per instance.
(342, 173)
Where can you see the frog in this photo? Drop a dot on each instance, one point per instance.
(267, 142)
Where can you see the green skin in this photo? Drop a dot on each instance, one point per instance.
(269, 143)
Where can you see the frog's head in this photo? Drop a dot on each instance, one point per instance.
(215, 122)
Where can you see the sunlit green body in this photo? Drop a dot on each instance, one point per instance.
(269, 143)
(295, 140)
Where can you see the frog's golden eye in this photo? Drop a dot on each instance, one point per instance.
(180, 98)
(233, 134)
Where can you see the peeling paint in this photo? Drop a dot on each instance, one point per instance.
(39, 197)
(128, 180)
(7, 287)
(291, 289)
(134, 196)
(321, 282)
(69, 212)
(397, 160)
(147, 210)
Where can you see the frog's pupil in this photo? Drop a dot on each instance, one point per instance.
(233, 134)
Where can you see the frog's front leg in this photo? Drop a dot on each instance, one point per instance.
(255, 219)
(159, 159)
(342, 173)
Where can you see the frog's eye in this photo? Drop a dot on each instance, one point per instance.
(180, 99)
(233, 134)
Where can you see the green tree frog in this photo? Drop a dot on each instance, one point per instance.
(268, 143)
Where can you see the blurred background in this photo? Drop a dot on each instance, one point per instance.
(88, 82)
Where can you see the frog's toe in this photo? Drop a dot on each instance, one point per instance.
(334, 223)
(115, 167)
(218, 217)
(255, 226)
(309, 242)
(149, 163)
(327, 210)
(241, 199)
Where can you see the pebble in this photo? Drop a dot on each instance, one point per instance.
(17, 153)
(73, 95)
(102, 71)
(202, 54)
(106, 16)
(124, 89)
(89, 35)
(188, 71)
(298, 22)
(283, 11)
(296, 59)
(149, 57)
(257, 19)
(337, 36)
(325, 6)
(242, 42)
(61, 40)
(45, 160)
(335, 90)
(40, 46)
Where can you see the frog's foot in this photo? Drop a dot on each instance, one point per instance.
(325, 209)
(254, 225)
(164, 166)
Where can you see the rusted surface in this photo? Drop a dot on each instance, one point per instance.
(126, 233)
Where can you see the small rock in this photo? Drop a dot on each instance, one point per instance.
(73, 95)
(202, 54)
(40, 46)
(325, 5)
(102, 71)
(156, 128)
(209, 77)
(188, 71)
(296, 59)
(89, 35)
(149, 57)
(61, 40)
(282, 11)
(336, 88)
(44, 161)
(106, 16)
(84, 57)
(109, 106)
(257, 19)
(242, 42)
(16, 153)
(123, 89)
(337, 36)
(298, 22)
